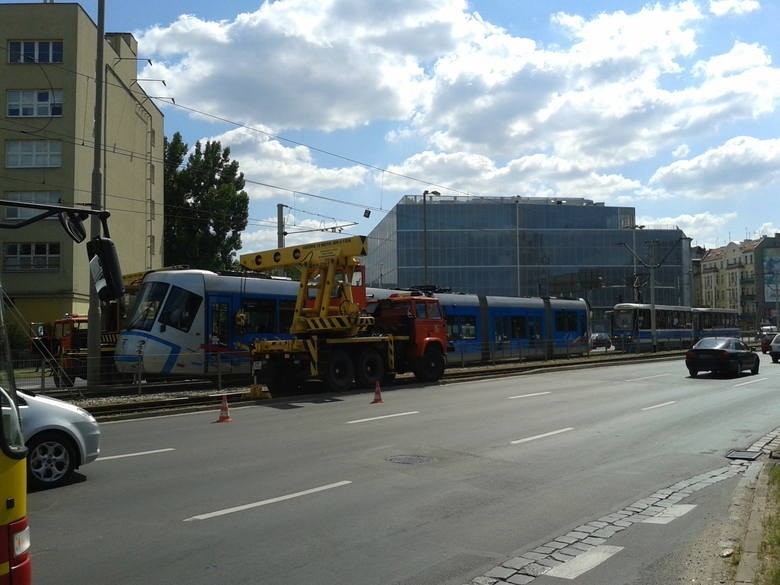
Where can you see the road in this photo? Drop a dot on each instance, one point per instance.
(435, 485)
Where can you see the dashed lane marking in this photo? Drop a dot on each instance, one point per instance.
(542, 436)
(660, 405)
(749, 382)
(138, 454)
(575, 567)
(528, 395)
(646, 378)
(373, 418)
(276, 500)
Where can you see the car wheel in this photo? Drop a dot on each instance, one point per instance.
(51, 460)
(774, 360)
(754, 369)
(693, 372)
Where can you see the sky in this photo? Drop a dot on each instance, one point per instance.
(335, 107)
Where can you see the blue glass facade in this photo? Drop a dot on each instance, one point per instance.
(528, 247)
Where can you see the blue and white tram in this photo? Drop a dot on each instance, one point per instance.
(200, 324)
(708, 322)
(483, 329)
(632, 327)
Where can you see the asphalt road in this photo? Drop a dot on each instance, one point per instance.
(436, 485)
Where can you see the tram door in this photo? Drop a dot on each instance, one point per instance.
(220, 355)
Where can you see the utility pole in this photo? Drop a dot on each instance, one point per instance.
(93, 316)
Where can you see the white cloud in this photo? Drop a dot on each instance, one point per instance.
(702, 228)
(722, 7)
(730, 170)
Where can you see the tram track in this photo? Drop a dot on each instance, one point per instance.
(154, 399)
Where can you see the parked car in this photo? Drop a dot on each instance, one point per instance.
(600, 339)
(60, 437)
(722, 355)
(765, 335)
(774, 348)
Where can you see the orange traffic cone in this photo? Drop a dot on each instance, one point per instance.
(377, 394)
(224, 413)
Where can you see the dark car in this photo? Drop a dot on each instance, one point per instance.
(600, 340)
(774, 348)
(721, 355)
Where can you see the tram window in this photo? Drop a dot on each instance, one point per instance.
(260, 315)
(461, 327)
(518, 328)
(180, 309)
(565, 321)
(219, 323)
(147, 304)
(286, 313)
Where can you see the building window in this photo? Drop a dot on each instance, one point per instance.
(19, 213)
(21, 154)
(35, 52)
(34, 103)
(31, 257)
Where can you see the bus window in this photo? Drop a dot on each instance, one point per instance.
(260, 315)
(219, 323)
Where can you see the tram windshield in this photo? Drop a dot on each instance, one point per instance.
(147, 304)
(624, 320)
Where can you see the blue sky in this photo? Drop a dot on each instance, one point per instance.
(336, 106)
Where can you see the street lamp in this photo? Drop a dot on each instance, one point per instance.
(425, 234)
(633, 229)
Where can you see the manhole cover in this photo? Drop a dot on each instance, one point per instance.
(409, 459)
(747, 455)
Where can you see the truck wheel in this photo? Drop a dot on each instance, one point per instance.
(339, 371)
(431, 366)
(370, 368)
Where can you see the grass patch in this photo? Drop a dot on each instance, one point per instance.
(769, 552)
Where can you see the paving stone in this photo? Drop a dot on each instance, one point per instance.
(484, 581)
(500, 573)
(534, 569)
(555, 545)
(520, 579)
(559, 555)
(605, 532)
(584, 528)
(517, 562)
(549, 562)
(534, 555)
(594, 540)
(598, 523)
(544, 550)
(623, 523)
(573, 550)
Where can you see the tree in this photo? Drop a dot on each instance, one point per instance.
(206, 207)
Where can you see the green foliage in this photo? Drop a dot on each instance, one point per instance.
(206, 207)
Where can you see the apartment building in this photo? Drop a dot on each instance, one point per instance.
(48, 55)
(728, 280)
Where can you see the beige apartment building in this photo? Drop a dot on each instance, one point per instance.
(47, 88)
(728, 280)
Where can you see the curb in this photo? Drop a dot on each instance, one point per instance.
(752, 491)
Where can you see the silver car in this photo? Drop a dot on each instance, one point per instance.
(60, 438)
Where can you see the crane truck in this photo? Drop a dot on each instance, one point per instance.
(338, 335)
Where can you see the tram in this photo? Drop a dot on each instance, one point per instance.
(201, 324)
(676, 327)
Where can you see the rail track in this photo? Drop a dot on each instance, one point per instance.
(191, 395)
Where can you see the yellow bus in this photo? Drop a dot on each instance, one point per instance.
(15, 566)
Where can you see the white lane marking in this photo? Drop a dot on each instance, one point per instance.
(140, 453)
(542, 436)
(235, 509)
(580, 564)
(749, 382)
(528, 395)
(660, 405)
(362, 420)
(646, 378)
(670, 514)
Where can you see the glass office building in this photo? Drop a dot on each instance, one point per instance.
(528, 246)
